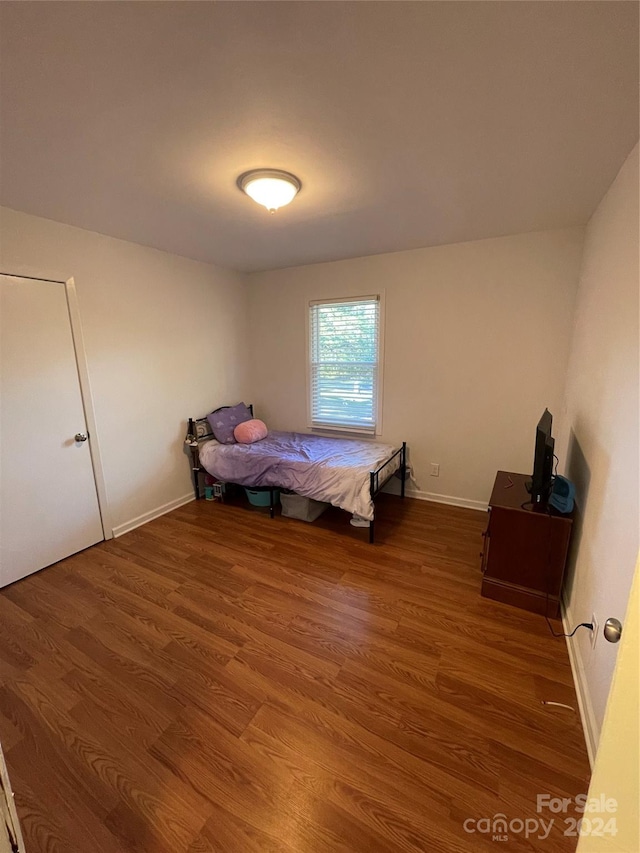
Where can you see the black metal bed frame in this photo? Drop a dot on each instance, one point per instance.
(375, 485)
(377, 480)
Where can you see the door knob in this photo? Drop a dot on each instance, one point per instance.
(612, 630)
(81, 436)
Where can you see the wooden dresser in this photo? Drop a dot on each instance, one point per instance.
(525, 548)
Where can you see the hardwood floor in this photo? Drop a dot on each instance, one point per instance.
(220, 681)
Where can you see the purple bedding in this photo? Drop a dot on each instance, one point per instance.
(335, 470)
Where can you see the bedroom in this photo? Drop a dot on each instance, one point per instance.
(467, 170)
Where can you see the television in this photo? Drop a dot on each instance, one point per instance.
(542, 478)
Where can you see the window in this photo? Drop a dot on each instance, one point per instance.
(344, 364)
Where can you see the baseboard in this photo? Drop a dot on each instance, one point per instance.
(149, 516)
(587, 717)
(121, 529)
(446, 499)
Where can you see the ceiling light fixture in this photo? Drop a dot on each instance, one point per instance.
(270, 187)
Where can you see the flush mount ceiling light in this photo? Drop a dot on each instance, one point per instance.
(270, 187)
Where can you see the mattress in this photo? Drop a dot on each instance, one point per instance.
(335, 470)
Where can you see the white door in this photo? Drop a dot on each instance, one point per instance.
(615, 781)
(48, 500)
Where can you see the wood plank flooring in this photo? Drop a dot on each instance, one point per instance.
(220, 681)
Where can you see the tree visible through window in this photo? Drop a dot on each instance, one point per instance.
(344, 363)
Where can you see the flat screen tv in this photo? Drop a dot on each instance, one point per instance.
(542, 478)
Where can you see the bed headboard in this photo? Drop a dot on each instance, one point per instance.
(199, 429)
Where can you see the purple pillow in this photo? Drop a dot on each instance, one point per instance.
(224, 421)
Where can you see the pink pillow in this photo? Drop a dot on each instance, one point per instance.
(249, 431)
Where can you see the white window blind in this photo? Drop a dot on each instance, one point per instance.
(344, 338)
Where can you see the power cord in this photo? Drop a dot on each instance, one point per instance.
(548, 487)
(581, 625)
(588, 625)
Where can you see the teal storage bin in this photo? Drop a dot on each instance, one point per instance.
(262, 497)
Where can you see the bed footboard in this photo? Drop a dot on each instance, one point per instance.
(381, 476)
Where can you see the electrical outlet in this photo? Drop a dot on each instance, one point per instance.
(435, 469)
(594, 631)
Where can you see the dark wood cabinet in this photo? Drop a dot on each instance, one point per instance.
(525, 548)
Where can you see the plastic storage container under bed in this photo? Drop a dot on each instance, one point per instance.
(297, 506)
(262, 496)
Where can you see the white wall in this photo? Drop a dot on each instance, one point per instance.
(600, 431)
(165, 339)
(476, 345)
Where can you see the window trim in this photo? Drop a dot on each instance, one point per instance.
(360, 431)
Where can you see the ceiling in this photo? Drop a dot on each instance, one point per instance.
(409, 123)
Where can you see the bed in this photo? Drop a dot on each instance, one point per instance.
(345, 472)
